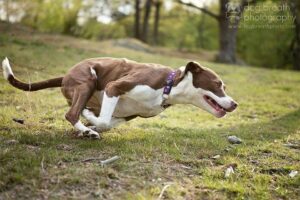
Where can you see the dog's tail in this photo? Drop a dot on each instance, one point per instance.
(9, 75)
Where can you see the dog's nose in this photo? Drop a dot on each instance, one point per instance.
(234, 105)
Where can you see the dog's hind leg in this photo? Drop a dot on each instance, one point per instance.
(81, 95)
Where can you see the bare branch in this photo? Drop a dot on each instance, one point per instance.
(204, 10)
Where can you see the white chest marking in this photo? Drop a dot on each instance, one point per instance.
(142, 100)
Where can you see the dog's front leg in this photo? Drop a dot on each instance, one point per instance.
(91, 117)
(107, 109)
(111, 96)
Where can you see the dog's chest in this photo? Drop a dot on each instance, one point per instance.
(141, 100)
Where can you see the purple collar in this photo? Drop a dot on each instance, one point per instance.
(168, 86)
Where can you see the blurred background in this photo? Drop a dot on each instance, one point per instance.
(244, 32)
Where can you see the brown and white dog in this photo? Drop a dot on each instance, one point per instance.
(109, 91)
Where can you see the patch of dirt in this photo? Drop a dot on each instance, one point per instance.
(64, 147)
(32, 148)
(11, 142)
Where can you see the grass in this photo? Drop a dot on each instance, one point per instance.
(42, 159)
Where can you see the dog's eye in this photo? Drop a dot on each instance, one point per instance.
(219, 84)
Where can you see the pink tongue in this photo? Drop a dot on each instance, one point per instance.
(218, 107)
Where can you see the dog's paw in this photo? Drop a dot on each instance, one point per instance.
(90, 134)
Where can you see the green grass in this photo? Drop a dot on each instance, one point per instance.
(173, 148)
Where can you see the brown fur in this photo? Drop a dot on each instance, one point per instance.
(55, 82)
(117, 76)
(205, 78)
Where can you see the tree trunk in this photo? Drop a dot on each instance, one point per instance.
(228, 21)
(156, 21)
(295, 9)
(146, 20)
(137, 20)
(227, 42)
(228, 28)
(7, 9)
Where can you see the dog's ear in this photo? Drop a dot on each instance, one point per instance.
(193, 67)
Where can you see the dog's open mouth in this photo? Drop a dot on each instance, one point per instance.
(222, 111)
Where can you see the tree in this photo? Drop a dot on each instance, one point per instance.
(295, 48)
(147, 13)
(228, 19)
(137, 19)
(157, 4)
(145, 24)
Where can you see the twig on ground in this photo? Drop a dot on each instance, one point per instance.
(20, 121)
(163, 191)
(42, 165)
(176, 146)
(110, 160)
(293, 173)
(102, 162)
(292, 146)
(229, 171)
(90, 159)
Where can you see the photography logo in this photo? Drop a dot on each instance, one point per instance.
(233, 11)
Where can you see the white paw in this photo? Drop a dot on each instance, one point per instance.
(90, 134)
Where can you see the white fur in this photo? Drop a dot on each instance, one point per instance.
(109, 105)
(93, 72)
(184, 92)
(142, 100)
(147, 95)
(6, 68)
(79, 126)
(225, 102)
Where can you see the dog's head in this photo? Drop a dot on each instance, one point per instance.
(206, 90)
